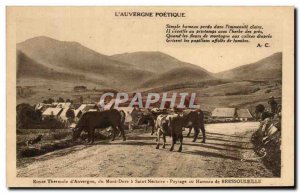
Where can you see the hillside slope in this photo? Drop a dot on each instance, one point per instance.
(156, 62)
(266, 69)
(73, 58)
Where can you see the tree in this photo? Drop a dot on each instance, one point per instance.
(81, 99)
(50, 101)
(27, 116)
(60, 100)
(70, 114)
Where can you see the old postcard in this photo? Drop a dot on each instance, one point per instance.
(150, 96)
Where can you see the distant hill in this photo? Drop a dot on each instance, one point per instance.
(266, 69)
(177, 76)
(156, 62)
(28, 68)
(167, 70)
(126, 71)
(73, 58)
(49, 59)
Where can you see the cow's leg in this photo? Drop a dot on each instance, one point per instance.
(203, 133)
(92, 135)
(152, 131)
(196, 130)
(114, 130)
(121, 129)
(158, 138)
(190, 129)
(120, 132)
(89, 135)
(173, 142)
(164, 138)
(181, 140)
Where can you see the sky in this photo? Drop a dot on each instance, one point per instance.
(99, 29)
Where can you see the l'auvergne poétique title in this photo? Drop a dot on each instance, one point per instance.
(149, 14)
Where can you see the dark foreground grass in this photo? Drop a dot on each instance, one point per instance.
(272, 160)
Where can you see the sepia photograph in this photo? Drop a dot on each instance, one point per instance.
(150, 96)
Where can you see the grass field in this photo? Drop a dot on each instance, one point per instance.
(239, 94)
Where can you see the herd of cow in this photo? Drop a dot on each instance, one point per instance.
(165, 123)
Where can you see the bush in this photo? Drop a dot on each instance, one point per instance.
(272, 160)
(27, 116)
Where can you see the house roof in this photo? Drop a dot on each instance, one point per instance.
(86, 107)
(81, 107)
(92, 110)
(52, 111)
(64, 105)
(109, 105)
(243, 113)
(77, 112)
(223, 112)
(127, 110)
(63, 114)
(39, 106)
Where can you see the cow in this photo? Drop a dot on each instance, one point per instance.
(103, 119)
(170, 125)
(155, 114)
(195, 119)
(147, 119)
(160, 121)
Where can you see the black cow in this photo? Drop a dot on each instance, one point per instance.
(195, 119)
(92, 120)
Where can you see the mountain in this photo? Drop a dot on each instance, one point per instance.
(28, 68)
(68, 60)
(177, 76)
(63, 61)
(156, 62)
(266, 69)
(74, 58)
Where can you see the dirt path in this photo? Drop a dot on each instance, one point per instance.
(220, 156)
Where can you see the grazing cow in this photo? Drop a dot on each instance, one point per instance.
(92, 120)
(195, 119)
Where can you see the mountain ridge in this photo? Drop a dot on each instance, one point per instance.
(127, 70)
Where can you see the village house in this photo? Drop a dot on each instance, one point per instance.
(77, 114)
(243, 115)
(67, 116)
(231, 114)
(42, 107)
(64, 105)
(224, 114)
(87, 107)
(52, 113)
